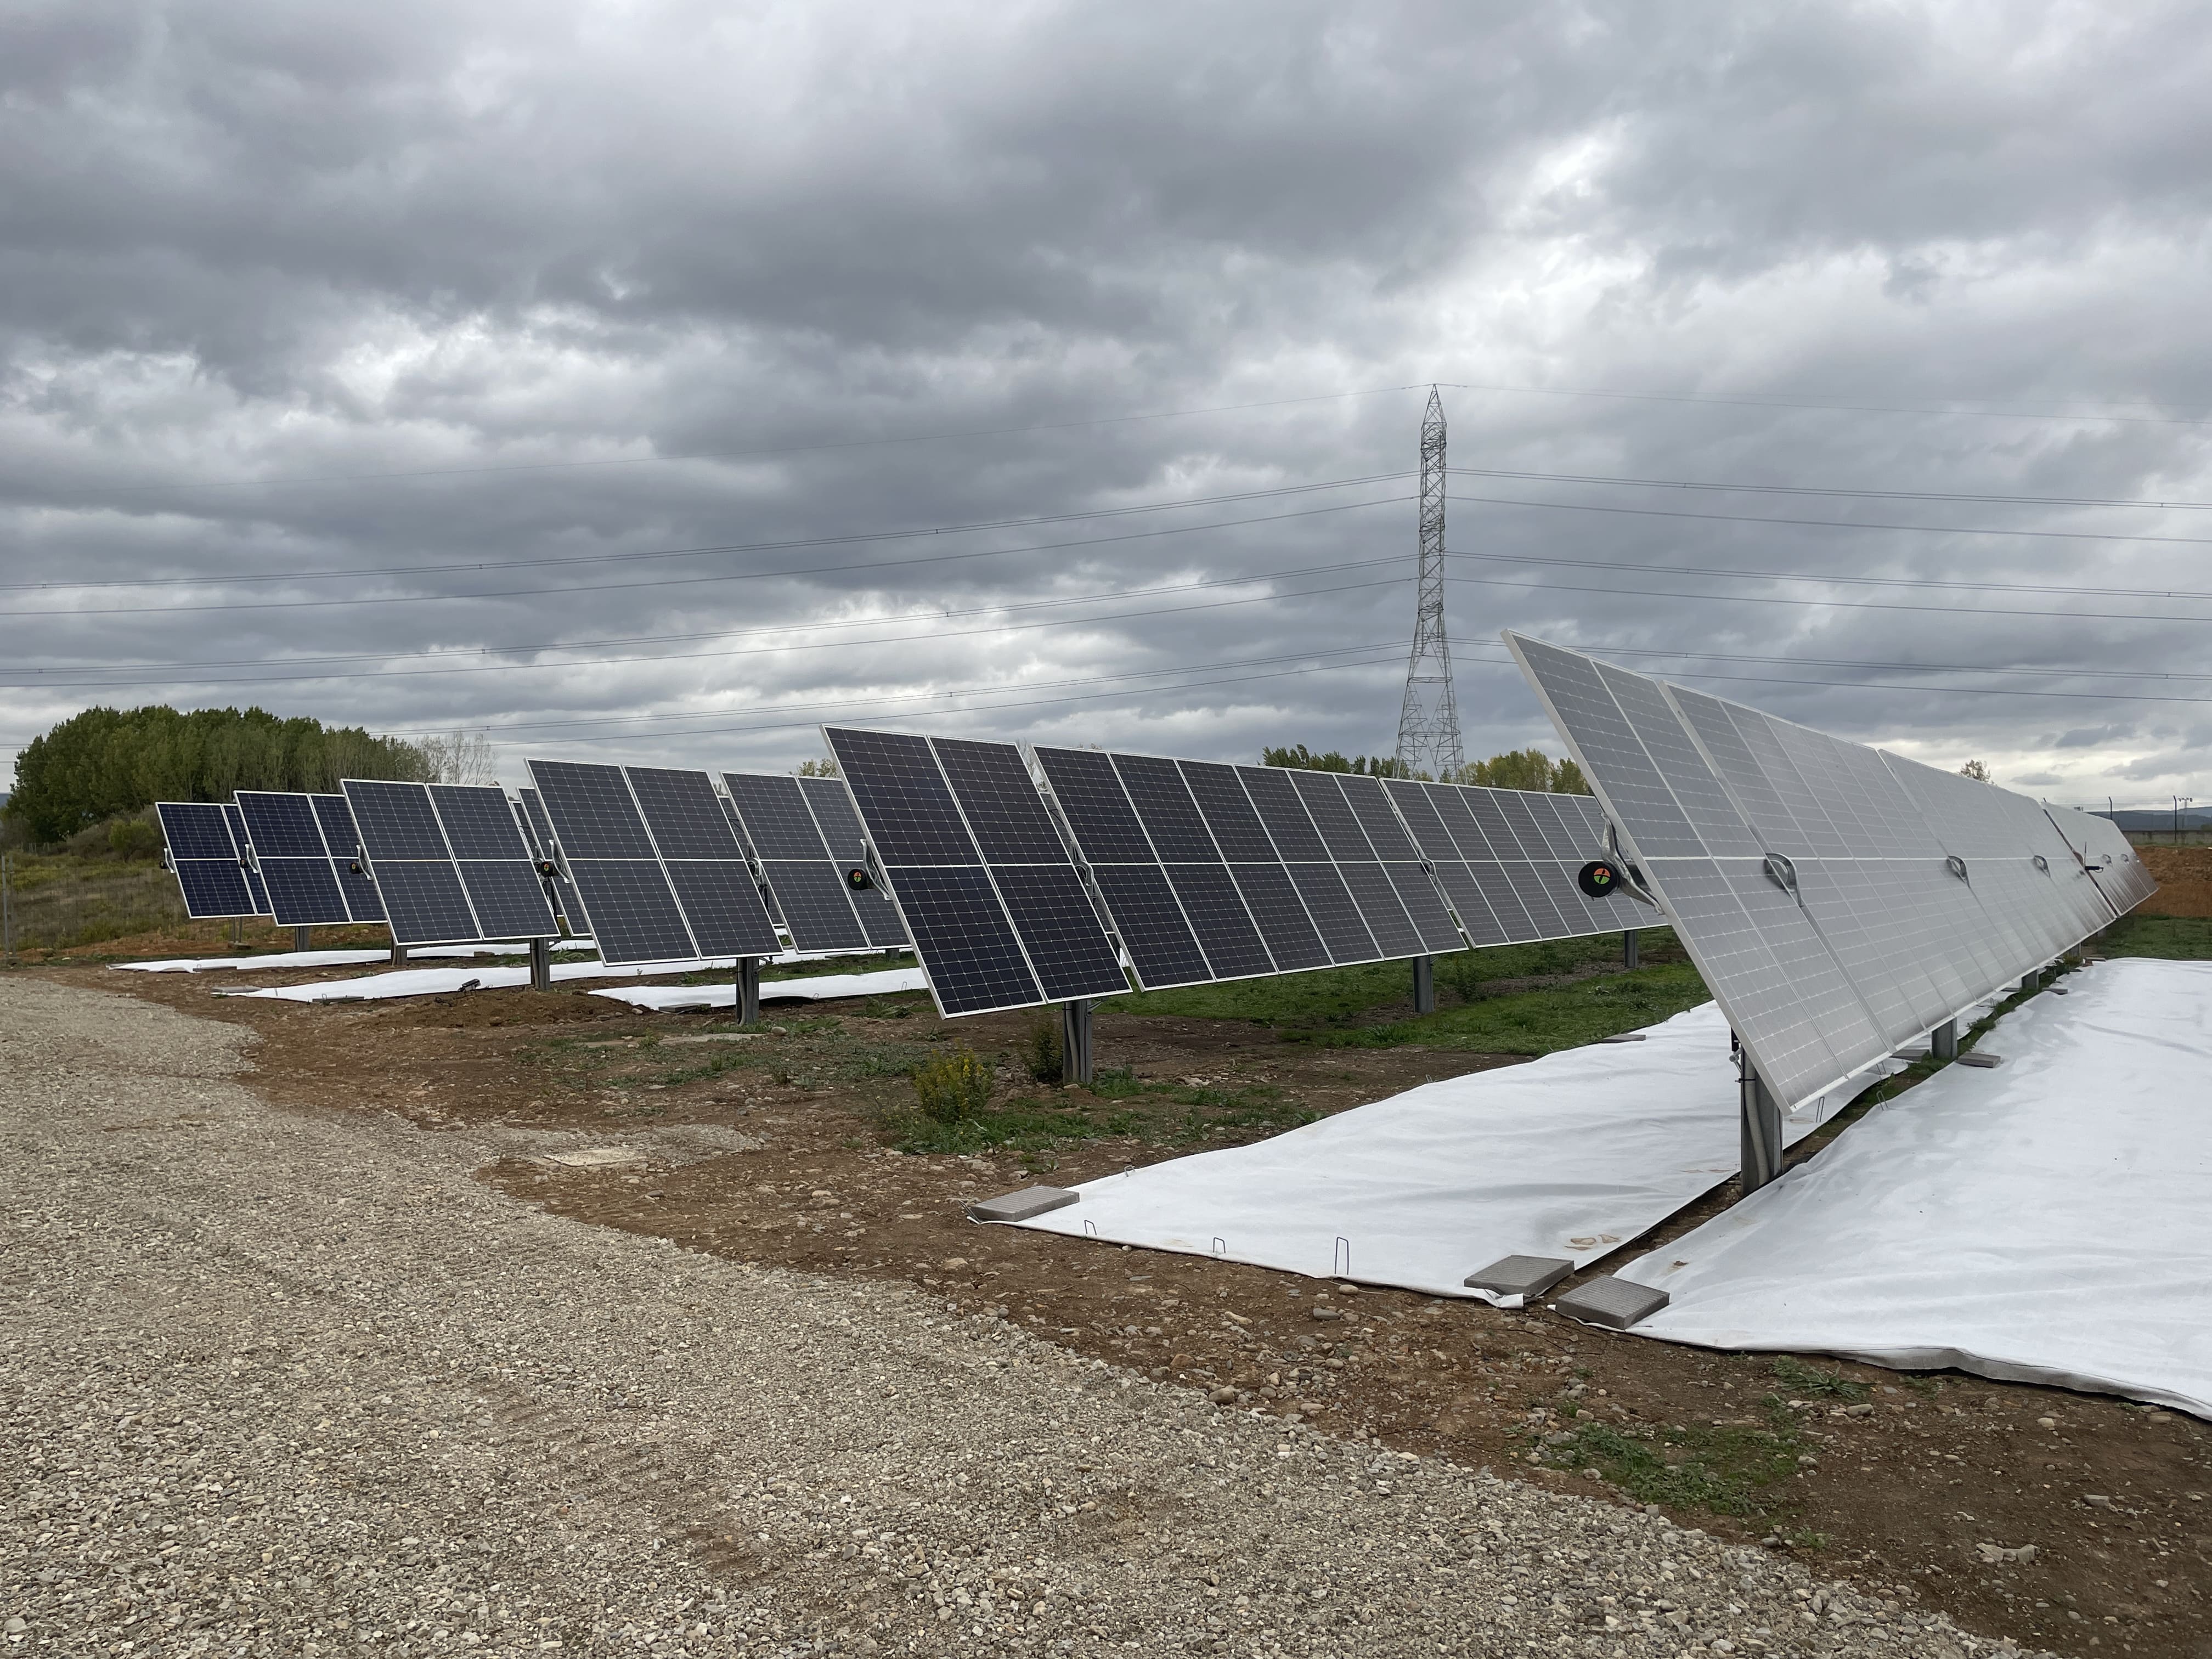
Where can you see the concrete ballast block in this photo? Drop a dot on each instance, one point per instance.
(1520, 1275)
(1613, 1302)
(1979, 1058)
(1024, 1206)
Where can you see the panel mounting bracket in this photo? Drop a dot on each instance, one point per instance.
(1956, 865)
(1783, 874)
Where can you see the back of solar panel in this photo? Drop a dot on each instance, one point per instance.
(1838, 900)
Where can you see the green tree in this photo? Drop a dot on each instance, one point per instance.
(1374, 766)
(1526, 768)
(109, 763)
(1979, 771)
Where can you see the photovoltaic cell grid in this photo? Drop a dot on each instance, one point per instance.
(449, 862)
(1817, 883)
(210, 870)
(658, 872)
(286, 842)
(998, 916)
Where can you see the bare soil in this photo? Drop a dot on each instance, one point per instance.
(1906, 1483)
(2183, 875)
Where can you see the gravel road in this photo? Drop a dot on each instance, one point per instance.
(278, 1384)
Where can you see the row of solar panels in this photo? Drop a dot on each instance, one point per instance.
(653, 861)
(1023, 885)
(1840, 901)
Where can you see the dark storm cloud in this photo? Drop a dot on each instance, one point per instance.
(508, 255)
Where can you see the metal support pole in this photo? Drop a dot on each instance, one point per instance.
(399, 954)
(237, 931)
(1425, 985)
(7, 909)
(1075, 1042)
(748, 999)
(2032, 981)
(1944, 1040)
(300, 937)
(541, 965)
(1632, 948)
(1761, 1149)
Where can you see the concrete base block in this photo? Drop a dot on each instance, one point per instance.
(1029, 1202)
(1624, 1036)
(1520, 1275)
(1613, 1302)
(1979, 1058)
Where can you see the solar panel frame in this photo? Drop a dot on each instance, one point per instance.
(256, 887)
(839, 820)
(539, 830)
(708, 872)
(335, 818)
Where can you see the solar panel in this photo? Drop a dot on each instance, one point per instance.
(1307, 863)
(539, 829)
(1507, 860)
(804, 875)
(657, 870)
(257, 890)
(706, 866)
(339, 835)
(998, 916)
(286, 840)
(449, 862)
(832, 804)
(1144, 911)
(1838, 900)
(210, 870)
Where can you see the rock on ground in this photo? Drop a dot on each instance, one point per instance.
(272, 1384)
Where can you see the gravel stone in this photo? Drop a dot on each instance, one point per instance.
(280, 1383)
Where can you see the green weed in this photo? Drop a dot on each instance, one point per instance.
(1810, 1382)
(953, 1088)
(1042, 1056)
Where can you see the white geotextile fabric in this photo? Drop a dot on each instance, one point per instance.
(1571, 1155)
(437, 981)
(2043, 1221)
(821, 987)
(333, 958)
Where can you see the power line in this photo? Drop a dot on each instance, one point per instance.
(726, 576)
(1820, 490)
(229, 580)
(1839, 408)
(1834, 524)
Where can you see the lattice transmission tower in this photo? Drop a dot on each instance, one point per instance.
(1428, 724)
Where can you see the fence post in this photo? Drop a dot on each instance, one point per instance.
(7, 909)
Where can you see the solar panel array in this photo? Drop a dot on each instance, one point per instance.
(806, 838)
(656, 868)
(1838, 900)
(257, 890)
(2103, 847)
(998, 916)
(208, 861)
(449, 862)
(309, 879)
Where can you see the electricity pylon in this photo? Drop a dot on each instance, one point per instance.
(1428, 724)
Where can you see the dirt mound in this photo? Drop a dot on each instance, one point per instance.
(2183, 875)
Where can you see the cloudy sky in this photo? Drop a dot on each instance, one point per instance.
(655, 381)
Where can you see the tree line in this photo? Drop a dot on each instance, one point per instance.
(1517, 769)
(109, 763)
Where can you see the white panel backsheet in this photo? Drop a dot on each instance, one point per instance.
(1573, 1155)
(2042, 1221)
(1840, 902)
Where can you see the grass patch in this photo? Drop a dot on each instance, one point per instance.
(1811, 1383)
(60, 901)
(1725, 1470)
(1538, 1022)
(2170, 939)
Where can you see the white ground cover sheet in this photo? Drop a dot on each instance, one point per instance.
(1573, 1155)
(334, 958)
(2042, 1222)
(820, 987)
